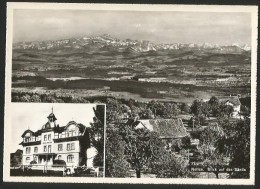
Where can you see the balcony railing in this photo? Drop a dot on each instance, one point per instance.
(30, 143)
(67, 134)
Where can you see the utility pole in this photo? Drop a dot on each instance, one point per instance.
(193, 120)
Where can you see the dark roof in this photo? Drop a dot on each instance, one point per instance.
(46, 126)
(52, 116)
(166, 128)
(57, 128)
(81, 126)
(232, 99)
(27, 131)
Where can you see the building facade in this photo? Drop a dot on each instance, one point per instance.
(52, 144)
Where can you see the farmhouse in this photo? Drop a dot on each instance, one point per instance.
(52, 144)
(166, 128)
(232, 101)
(169, 130)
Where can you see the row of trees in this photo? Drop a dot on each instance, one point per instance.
(119, 108)
(141, 150)
(226, 145)
(212, 107)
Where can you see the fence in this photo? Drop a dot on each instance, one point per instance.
(56, 170)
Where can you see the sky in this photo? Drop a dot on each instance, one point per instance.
(34, 115)
(160, 27)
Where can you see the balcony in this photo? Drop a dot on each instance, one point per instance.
(67, 139)
(67, 134)
(30, 143)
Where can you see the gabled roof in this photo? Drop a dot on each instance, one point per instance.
(27, 131)
(166, 128)
(232, 99)
(57, 129)
(80, 126)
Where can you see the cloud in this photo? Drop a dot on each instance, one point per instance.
(162, 27)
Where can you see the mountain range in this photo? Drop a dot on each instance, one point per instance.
(109, 43)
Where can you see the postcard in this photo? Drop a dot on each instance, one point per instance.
(150, 94)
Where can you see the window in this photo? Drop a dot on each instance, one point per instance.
(27, 159)
(45, 137)
(70, 158)
(56, 135)
(49, 137)
(28, 150)
(60, 147)
(70, 146)
(49, 148)
(35, 149)
(45, 148)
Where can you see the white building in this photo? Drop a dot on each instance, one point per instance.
(67, 144)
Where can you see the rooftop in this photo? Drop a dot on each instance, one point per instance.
(166, 128)
(232, 99)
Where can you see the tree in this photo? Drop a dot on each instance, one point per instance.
(35, 98)
(15, 98)
(240, 157)
(137, 148)
(197, 121)
(245, 110)
(225, 110)
(51, 98)
(208, 148)
(185, 108)
(79, 100)
(157, 108)
(170, 165)
(237, 145)
(25, 98)
(199, 107)
(146, 114)
(116, 164)
(116, 111)
(140, 146)
(165, 162)
(213, 101)
(97, 133)
(172, 110)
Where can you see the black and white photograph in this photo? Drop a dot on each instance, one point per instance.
(57, 140)
(178, 84)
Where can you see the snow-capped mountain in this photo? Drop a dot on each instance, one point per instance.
(107, 42)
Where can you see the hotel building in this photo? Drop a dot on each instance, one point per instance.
(52, 142)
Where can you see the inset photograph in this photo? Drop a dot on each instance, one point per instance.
(57, 140)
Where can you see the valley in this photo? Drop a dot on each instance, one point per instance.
(135, 69)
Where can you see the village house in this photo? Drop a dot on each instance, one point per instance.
(231, 101)
(52, 142)
(169, 130)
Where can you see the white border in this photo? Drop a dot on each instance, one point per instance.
(129, 7)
